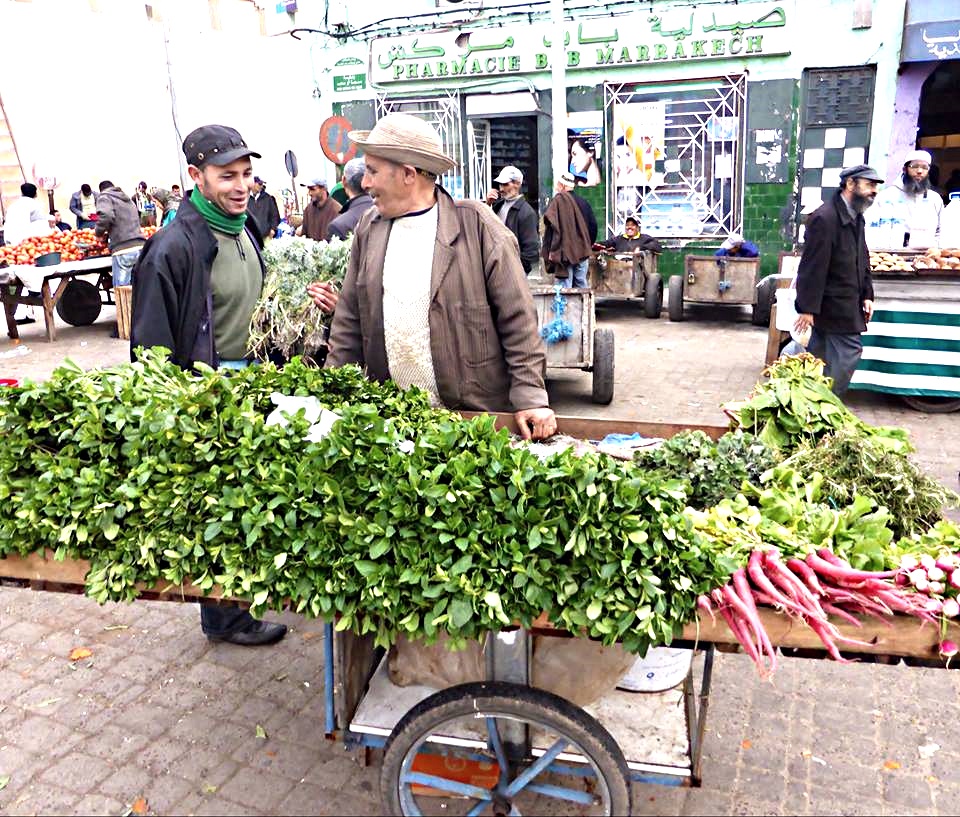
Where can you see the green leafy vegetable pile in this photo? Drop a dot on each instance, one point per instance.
(714, 470)
(796, 405)
(403, 519)
(285, 318)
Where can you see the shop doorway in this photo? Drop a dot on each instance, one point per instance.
(939, 126)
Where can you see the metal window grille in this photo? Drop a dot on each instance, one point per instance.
(478, 137)
(444, 113)
(698, 192)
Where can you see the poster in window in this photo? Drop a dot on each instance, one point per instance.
(585, 146)
(639, 144)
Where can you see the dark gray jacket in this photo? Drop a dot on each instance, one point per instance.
(349, 217)
(833, 278)
(118, 220)
(522, 221)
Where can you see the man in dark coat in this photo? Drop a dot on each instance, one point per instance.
(358, 201)
(515, 211)
(834, 287)
(262, 207)
(194, 291)
(566, 238)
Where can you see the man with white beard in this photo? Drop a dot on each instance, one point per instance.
(834, 287)
(912, 205)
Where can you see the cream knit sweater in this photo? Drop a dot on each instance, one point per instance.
(407, 268)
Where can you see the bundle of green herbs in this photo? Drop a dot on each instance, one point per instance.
(285, 319)
(852, 464)
(713, 470)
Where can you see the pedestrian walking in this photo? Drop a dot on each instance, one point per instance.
(321, 210)
(435, 295)
(566, 239)
(834, 289)
(263, 209)
(195, 290)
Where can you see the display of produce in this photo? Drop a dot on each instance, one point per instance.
(286, 319)
(405, 519)
(73, 245)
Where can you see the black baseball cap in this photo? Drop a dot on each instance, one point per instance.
(216, 145)
(860, 172)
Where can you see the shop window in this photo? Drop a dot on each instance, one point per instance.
(677, 156)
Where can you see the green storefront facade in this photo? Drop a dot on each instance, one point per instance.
(702, 119)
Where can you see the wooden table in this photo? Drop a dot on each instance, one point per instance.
(17, 282)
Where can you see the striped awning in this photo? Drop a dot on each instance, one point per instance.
(911, 348)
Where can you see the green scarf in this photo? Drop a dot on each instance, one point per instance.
(215, 217)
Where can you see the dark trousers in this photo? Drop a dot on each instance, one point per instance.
(840, 353)
(221, 619)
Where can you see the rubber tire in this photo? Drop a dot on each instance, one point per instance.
(653, 296)
(603, 366)
(80, 303)
(932, 405)
(675, 303)
(766, 295)
(524, 702)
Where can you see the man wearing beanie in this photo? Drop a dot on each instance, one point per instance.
(912, 205)
(195, 288)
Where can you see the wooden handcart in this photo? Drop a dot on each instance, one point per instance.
(627, 276)
(713, 279)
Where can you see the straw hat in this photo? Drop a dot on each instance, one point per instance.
(407, 140)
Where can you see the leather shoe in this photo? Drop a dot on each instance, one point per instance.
(257, 634)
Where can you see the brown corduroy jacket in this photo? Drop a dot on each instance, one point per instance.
(487, 353)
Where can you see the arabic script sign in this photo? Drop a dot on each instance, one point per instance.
(734, 31)
(924, 42)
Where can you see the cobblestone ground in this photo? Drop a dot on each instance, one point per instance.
(158, 713)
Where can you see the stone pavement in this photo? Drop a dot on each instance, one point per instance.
(156, 712)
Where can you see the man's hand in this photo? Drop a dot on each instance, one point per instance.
(868, 310)
(536, 423)
(324, 295)
(803, 322)
(492, 196)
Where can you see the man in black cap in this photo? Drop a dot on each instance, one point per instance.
(834, 287)
(195, 288)
(262, 207)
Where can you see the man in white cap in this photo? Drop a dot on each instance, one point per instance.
(911, 206)
(737, 246)
(321, 210)
(434, 294)
(834, 287)
(515, 211)
(566, 236)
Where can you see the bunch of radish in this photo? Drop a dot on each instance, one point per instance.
(811, 590)
(937, 578)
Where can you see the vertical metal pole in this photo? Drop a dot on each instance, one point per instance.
(558, 71)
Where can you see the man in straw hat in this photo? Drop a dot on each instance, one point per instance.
(834, 287)
(435, 295)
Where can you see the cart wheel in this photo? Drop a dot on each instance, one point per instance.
(493, 773)
(675, 303)
(766, 295)
(653, 296)
(80, 303)
(603, 366)
(932, 405)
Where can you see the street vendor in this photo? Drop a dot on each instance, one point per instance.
(911, 206)
(458, 320)
(631, 239)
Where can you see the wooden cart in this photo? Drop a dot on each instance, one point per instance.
(715, 279)
(588, 349)
(505, 745)
(627, 275)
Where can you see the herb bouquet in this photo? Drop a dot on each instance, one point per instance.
(285, 318)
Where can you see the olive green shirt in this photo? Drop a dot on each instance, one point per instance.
(236, 281)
